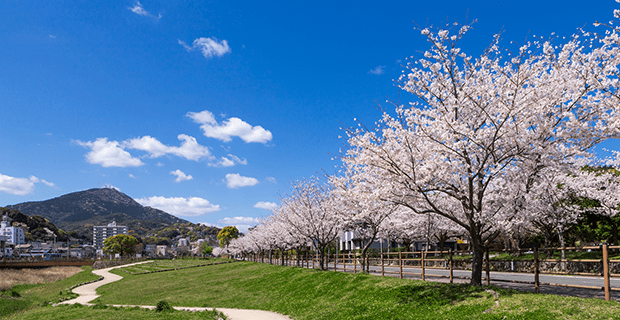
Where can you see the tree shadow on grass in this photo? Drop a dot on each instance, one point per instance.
(437, 294)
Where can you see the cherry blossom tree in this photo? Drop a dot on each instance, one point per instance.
(363, 211)
(312, 213)
(470, 146)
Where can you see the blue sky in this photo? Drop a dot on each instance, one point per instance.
(209, 110)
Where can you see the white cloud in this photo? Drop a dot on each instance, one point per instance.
(179, 206)
(189, 149)
(17, 186)
(109, 186)
(139, 10)
(271, 179)
(235, 180)
(109, 154)
(379, 70)
(229, 161)
(132, 176)
(242, 223)
(149, 144)
(265, 205)
(47, 183)
(208, 46)
(232, 127)
(181, 176)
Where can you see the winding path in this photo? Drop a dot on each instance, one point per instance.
(88, 293)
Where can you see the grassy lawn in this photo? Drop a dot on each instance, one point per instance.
(311, 294)
(25, 296)
(32, 301)
(111, 313)
(163, 265)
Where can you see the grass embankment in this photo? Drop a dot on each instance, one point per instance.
(33, 301)
(167, 265)
(26, 296)
(311, 294)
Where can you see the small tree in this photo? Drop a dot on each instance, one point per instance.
(206, 249)
(227, 234)
(122, 244)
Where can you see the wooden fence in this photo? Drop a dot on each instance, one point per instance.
(445, 260)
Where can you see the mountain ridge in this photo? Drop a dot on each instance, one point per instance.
(79, 211)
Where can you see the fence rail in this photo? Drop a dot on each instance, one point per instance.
(445, 260)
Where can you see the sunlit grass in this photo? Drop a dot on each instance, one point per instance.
(12, 277)
(305, 294)
(26, 296)
(311, 294)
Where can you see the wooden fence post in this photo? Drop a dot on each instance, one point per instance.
(536, 271)
(451, 273)
(422, 264)
(606, 273)
(400, 263)
(335, 262)
(354, 263)
(488, 263)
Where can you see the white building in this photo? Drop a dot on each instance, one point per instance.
(100, 233)
(14, 235)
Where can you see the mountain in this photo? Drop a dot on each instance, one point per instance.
(35, 227)
(80, 211)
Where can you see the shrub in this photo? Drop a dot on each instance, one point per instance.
(163, 306)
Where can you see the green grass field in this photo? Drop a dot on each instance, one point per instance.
(312, 294)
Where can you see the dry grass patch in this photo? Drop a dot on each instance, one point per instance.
(12, 277)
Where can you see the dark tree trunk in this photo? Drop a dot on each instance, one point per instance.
(477, 260)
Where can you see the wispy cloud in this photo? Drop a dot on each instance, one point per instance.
(379, 70)
(179, 206)
(231, 127)
(20, 186)
(109, 186)
(190, 149)
(271, 179)
(109, 154)
(139, 10)
(235, 180)
(181, 176)
(242, 223)
(209, 47)
(265, 205)
(229, 161)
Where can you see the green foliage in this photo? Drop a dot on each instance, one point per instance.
(227, 234)
(163, 306)
(206, 249)
(34, 226)
(596, 228)
(122, 244)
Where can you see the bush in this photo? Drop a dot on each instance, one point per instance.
(163, 306)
